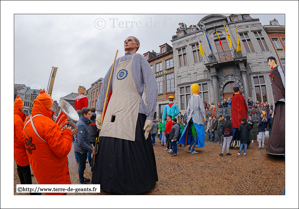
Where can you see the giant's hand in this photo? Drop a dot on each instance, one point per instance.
(98, 121)
(147, 128)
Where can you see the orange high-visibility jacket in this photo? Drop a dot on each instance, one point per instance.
(20, 154)
(48, 153)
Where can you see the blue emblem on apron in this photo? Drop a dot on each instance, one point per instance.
(122, 74)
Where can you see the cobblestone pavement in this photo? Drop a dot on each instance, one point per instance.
(207, 173)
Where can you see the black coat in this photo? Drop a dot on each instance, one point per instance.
(244, 130)
(93, 131)
(227, 125)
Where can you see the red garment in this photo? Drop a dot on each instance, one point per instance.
(48, 159)
(80, 102)
(168, 126)
(239, 109)
(20, 154)
(170, 104)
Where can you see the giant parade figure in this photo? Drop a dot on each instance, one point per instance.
(276, 144)
(170, 109)
(125, 160)
(239, 109)
(195, 125)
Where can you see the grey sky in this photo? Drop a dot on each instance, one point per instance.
(83, 46)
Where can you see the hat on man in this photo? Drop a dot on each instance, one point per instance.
(18, 103)
(44, 99)
(175, 120)
(236, 87)
(170, 97)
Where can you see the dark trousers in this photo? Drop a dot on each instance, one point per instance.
(174, 145)
(90, 160)
(168, 142)
(153, 138)
(82, 160)
(24, 174)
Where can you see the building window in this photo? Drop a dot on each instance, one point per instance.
(146, 57)
(159, 81)
(152, 67)
(276, 43)
(246, 17)
(163, 50)
(283, 40)
(234, 18)
(223, 55)
(283, 63)
(182, 57)
(180, 34)
(169, 63)
(170, 82)
(247, 42)
(158, 67)
(261, 41)
(196, 53)
(185, 94)
(260, 88)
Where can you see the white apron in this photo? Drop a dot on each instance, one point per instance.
(122, 112)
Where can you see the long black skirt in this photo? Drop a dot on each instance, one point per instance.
(276, 144)
(126, 167)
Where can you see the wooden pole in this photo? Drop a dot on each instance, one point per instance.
(97, 139)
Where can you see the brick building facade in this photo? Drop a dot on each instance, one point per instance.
(162, 65)
(276, 33)
(93, 92)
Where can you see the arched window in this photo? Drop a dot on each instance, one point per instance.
(228, 90)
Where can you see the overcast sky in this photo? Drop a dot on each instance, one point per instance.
(83, 47)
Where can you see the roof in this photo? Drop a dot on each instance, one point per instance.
(71, 96)
(33, 91)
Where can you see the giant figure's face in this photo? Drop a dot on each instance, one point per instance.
(130, 44)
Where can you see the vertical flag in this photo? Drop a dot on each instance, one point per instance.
(199, 46)
(220, 42)
(239, 44)
(228, 37)
(208, 42)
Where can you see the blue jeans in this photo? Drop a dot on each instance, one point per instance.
(89, 158)
(153, 138)
(193, 143)
(76, 157)
(269, 132)
(175, 148)
(82, 160)
(245, 148)
(215, 135)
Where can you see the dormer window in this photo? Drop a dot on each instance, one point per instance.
(246, 17)
(234, 18)
(163, 49)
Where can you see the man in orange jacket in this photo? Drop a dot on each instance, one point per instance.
(46, 144)
(20, 154)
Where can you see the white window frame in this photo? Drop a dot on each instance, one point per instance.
(170, 78)
(158, 67)
(169, 63)
(276, 43)
(159, 81)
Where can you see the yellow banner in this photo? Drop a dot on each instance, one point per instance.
(228, 37)
(239, 43)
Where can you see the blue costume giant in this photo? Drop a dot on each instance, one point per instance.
(170, 109)
(196, 115)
